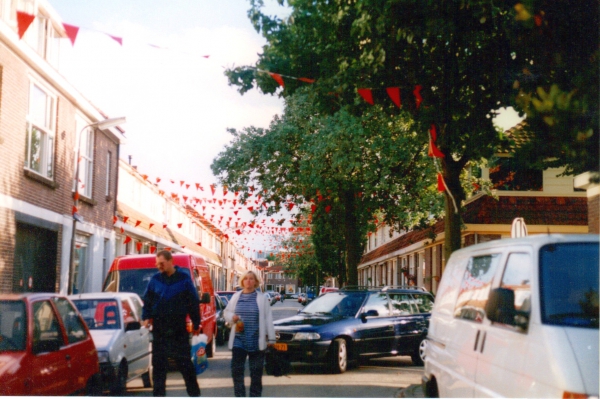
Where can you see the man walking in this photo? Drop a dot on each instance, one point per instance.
(169, 298)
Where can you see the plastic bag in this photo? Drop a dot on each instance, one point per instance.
(199, 358)
(276, 363)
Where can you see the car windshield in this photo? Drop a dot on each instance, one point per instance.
(13, 324)
(569, 284)
(133, 280)
(337, 304)
(99, 314)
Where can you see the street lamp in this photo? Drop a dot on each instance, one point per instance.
(101, 125)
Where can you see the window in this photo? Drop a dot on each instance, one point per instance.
(73, 325)
(39, 148)
(379, 302)
(46, 330)
(402, 304)
(517, 277)
(108, 166)
(86, 157)
(507, 175)
(475, 287)
(424, 303)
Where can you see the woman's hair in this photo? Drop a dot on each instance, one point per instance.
(241, 280)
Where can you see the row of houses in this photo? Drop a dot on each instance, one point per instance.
(59, 233)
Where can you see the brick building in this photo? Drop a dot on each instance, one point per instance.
(41, 116)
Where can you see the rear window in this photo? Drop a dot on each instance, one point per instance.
(569, 284)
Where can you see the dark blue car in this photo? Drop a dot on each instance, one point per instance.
(342, 326)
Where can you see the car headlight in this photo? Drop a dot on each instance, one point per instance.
(103, 357)
(306, 336)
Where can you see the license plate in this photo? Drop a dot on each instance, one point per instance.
(280, 347)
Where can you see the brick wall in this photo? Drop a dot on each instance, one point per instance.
(594, 214)
(7, 247)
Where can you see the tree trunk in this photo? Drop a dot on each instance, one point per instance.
(353, 241)
(452, 203)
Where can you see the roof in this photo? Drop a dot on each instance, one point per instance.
(516, 137)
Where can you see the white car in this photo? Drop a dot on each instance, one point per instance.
(124, 347)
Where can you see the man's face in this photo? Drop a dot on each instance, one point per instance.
(165, 266)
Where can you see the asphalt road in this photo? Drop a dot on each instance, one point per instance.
(377, 378)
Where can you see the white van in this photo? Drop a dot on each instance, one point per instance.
(517, 318)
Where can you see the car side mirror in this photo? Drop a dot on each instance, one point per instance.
(500, 307)
(368, 313)
(205, 298)
(46, 345)
(133, 325)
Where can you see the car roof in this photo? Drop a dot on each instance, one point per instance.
(104, 295)
(387, 288)
(30, 296)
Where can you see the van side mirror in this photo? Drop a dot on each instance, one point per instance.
(500, 307)
(205, 298)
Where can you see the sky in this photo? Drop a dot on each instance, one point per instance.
(167, 79)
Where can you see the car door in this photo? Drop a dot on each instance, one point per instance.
(503, 353)
(79, 349)
(376, 333)
(408, 323)
(145, 334)
(136, 340)
(50, 368)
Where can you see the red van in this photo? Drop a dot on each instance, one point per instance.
(131, 273)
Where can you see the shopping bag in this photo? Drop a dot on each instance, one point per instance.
(276, 363)
(199, 358)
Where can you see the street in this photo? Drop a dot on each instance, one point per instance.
(382, 377)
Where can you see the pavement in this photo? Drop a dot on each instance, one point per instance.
(411, 391)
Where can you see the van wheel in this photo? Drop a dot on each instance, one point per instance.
(211, 347)
(120, 385)
(418, 357)
(338, 356)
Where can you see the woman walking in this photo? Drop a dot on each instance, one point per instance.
(249, 313)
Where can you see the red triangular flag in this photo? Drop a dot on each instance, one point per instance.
(122, 230)
(76, 195)
(138, 245)
(164, 226)
(212, 189)
(71, 32)
(306, 80)
(137, 223)
(74, 210)
(127, 240)
(115, 219)
(327, 208)
(152, 249)
(116, 39)
(417, 94)
(277, 78)
(367, 95)
(167, 248)
(433, 150)
(394, 93)
(199, 244)
(158, 179)
(23, 22)
(179, 225)
(125, 218)
(440, 183)
(150, 226)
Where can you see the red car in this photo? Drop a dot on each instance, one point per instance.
(45, 347)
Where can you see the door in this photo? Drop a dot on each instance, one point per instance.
(50, 366)
(503, 353)
(467, 329)
(79, 349)
(35, 259)
(408, 323)
(136, 341)
(377, 332)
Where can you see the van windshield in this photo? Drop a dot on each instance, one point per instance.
(569, 284)
(134, 280)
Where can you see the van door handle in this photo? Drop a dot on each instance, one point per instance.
(483, 341)
(476, 340)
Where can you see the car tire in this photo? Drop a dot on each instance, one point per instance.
(120, 385)
(418, 358)
(147, 376)
(211, 347)
(94, 385)
(338, 356)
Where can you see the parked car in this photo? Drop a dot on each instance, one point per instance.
(343, 326)
(324, 290)
(226, 294)
(45, 347)
(131, 273)
(517, 318)
(124, 348)
(291, 296)
(223, 327)
(302, 298)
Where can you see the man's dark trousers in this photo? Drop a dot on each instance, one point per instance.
(178, 348)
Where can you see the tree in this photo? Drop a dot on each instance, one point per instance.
(557, 45)
(341, 164)
(458, 52)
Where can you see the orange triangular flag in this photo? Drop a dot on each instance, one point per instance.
(277, 78)
(440, 183)
(127, 240)
(23, 22)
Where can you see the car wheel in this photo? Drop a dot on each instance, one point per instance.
(418, 358)
(120, 385)
(211, 347)
(338, 356)
(94, 386)
(147, 376)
